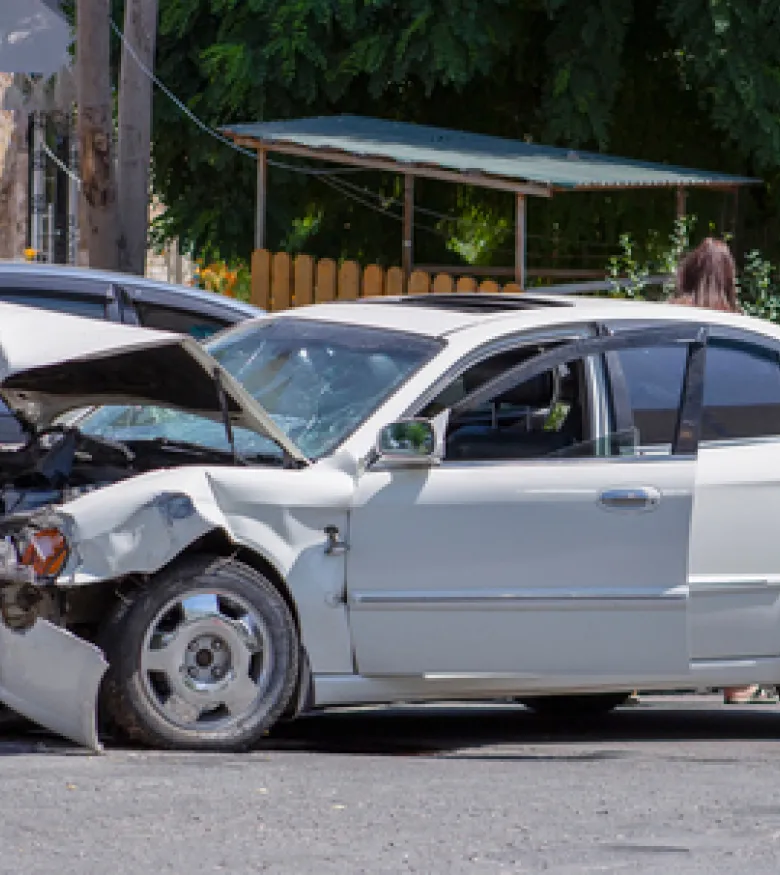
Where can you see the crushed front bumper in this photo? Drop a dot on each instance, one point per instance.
(47, 674)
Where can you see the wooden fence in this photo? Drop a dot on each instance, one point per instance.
(280, 281)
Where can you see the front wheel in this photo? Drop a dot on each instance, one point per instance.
(205, 658)
(582, 705)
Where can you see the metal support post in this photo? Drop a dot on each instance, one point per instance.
(407, 254)
(262, 186)
(520, 238)
(73, 191)
(39, 182)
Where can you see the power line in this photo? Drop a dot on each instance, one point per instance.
(338, 185)
(211, 131)
(329, 177)
(63, 167)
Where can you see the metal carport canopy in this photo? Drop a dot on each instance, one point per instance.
(464, 158)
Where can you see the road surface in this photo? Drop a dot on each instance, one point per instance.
(674, 785)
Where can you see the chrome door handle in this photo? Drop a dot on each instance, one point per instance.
(639, 498)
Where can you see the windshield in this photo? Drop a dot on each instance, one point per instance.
(317, 380)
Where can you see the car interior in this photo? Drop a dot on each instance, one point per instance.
(539, 417)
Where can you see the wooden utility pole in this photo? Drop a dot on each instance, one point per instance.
(135, 132)
(95, 126)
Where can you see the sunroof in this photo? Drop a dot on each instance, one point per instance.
(465, 302)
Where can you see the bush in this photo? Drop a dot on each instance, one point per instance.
(758, 291)
(220, 277)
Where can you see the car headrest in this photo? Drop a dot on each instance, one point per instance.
(538, 392)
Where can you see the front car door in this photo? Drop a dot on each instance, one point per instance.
(529, 553)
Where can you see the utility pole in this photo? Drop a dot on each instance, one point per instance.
(95, 126)
(135, 132)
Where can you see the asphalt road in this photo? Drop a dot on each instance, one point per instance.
(674, 785)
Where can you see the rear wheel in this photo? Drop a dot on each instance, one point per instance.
(580, 705)
(205, 657)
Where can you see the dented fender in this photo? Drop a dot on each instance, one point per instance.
(139, 526)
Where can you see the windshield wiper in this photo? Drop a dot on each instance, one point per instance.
(223, 405)
(164, 443)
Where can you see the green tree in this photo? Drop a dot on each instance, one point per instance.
(687, 81)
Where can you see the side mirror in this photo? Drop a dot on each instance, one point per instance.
(408, 440)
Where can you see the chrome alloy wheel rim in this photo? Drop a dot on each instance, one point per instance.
(206, 660)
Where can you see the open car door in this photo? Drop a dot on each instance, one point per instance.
(556, 570)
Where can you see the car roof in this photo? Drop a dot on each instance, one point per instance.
(22, 269)
(482, 315)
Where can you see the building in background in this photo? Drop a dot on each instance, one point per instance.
(39, 189)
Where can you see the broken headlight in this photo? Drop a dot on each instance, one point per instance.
(45, 551)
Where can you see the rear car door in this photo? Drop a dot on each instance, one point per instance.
(558, 566)
(734, 560)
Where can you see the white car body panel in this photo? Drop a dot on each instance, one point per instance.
(431, 601)
(138, 526)
(505, 600)
(52, 677)
(734, 568)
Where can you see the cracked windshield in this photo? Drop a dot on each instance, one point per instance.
(318, 381)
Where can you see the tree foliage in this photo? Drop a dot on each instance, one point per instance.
(692, 82)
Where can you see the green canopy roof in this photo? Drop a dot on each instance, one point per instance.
(458, 156)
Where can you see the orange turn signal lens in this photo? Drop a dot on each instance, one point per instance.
(46, 552)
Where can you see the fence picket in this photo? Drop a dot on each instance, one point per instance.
(395, 282)
(281, 286)
(303, 281)
(279, 281)
(372, 281)
(260, 294)
(349, 281)
(419, 283)
(442, 284)
(466, 284)
(325, 289)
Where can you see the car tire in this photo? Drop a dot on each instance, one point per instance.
(185, 654)
(581, 705)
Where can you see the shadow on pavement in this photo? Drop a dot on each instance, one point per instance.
(480, 731)
(442, 730)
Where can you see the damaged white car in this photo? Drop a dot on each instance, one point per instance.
(414, 499)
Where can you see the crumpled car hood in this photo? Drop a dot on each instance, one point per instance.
(53, 362)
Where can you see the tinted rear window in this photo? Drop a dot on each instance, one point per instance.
(181, 321)
(76, 305)
(741, 391)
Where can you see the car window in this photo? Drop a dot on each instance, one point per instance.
(546, 416)
(318, 381)
(654, 379)
(181, 321)
(741, 391)
(76, 305)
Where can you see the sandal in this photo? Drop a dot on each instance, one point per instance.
(760, 696)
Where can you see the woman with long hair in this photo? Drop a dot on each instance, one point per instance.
(706, 277)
